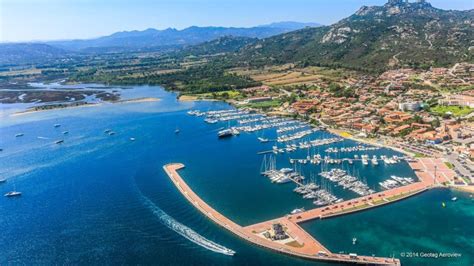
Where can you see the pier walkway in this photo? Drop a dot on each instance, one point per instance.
(301, 243)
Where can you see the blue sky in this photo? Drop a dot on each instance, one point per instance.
(25, 20)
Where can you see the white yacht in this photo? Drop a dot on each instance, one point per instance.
(374, 160)
(12, 194)
(225, 133)
(295, 211)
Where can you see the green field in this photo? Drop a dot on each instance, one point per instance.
(264, 105)
(455, 110)
(222, 95)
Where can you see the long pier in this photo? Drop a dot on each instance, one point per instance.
(302, 244)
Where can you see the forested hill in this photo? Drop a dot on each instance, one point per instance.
(395, 35)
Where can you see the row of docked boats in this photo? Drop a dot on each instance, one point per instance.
(254, 119)
(396, 181)
(196, 113)
(346, 181)
(304, 145)
(312, 191)
(296, 135)
(281, 176)
(320, 196)
(267, 124)
(317, 159)
(351, 149)
(292, 128)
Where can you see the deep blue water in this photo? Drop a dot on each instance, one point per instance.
(86, 201)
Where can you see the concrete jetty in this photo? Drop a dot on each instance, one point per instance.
(299, 242)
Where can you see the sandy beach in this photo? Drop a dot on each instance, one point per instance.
(136, 100)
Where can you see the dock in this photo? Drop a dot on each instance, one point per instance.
(302, 244)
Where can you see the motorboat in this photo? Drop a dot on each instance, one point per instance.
(12, 194)
(295, 211)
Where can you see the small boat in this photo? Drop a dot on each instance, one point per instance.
(65, 132)
(263, 140)
(210, 121)
(19, 135)
(111, 133)
(3, 180)
(176, 131)
(225, 133)
(12, 194)
(454, 199)
(295, 211)
(59, 141)
(443, 204)
(57, 125)
(107, 131)
(132, 139)
(354, 241)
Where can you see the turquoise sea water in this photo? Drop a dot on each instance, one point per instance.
(94, 198)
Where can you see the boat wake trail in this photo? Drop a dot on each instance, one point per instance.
(185, 231)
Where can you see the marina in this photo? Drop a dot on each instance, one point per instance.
(120, 170)
(308, 248)
(319, 187)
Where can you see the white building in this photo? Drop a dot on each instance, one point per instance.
(410, 106)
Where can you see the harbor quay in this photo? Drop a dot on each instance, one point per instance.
(432, 173)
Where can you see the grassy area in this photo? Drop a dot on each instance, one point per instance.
(401, 195)
(419, 155)
(363, 206)
(224, 95)
(264, 105)
(229, 94)
(449, 165)
(454, 110)
(288, 75)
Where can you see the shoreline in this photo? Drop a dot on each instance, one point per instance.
(340, 133)
(125, 101)
(466, 189)
(336, 131)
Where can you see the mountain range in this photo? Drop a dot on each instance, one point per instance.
(375, 38)
(173, 37)
(146, 40)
